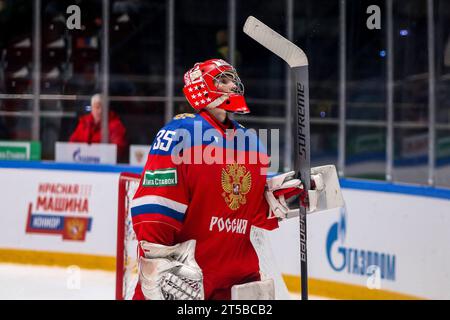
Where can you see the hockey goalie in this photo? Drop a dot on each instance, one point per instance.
(200, 194)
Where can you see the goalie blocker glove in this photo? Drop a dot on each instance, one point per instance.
(170, 272)
(282, 187)
(325, 194)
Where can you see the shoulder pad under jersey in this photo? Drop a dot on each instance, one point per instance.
(183, 116)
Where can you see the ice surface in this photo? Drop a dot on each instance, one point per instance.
(31, 282)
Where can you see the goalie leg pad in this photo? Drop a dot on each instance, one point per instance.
(170, 272)
(256, 290)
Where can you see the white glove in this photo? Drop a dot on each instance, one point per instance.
(325, 193)
(170, 272)
(278, 189)
(281, 187)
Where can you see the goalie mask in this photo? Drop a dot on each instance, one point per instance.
(214, 84)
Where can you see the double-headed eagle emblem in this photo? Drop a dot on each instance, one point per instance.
(236, 182)
(75, 229)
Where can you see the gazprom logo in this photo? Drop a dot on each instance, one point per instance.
(78, 157)
(356, 261)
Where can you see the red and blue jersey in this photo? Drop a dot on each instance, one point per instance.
(206, 183)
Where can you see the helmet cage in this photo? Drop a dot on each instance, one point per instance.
(202, 87)
(224, 76)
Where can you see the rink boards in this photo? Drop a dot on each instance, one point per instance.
(391, 242)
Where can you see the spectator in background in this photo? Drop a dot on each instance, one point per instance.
(89, 129)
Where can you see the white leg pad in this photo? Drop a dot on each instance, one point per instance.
(257, 290)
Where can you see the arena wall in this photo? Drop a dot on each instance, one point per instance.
(390, 242)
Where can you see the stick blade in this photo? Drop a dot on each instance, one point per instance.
(275, 42)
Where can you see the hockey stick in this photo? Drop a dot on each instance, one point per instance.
(298, 63)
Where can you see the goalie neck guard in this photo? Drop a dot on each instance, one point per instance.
(204, 83)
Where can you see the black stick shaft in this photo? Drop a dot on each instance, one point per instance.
(302, 160)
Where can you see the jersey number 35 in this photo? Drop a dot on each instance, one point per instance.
(164, 139)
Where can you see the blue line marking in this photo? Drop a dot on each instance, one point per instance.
(381, 186)
(50, 165)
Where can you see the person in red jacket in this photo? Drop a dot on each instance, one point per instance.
(89, 129)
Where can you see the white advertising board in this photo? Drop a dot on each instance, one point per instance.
(387, 241)
(86, 153)
(61, 211)
(383, 240)
(138, 154)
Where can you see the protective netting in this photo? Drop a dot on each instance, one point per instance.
(130, 266)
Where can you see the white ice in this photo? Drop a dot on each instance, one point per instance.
(31, 282)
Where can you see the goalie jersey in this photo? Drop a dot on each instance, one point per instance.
(205, 180)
